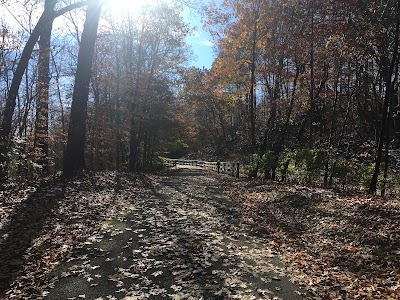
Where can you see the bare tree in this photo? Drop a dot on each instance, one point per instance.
(74, 159)
(46, 19)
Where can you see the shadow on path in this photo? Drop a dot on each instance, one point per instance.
(183, 240)
(26, 224)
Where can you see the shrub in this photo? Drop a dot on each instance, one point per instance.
(251, 166)
(269, 163)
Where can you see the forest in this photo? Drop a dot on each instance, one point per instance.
(299, 91)
(96, 96)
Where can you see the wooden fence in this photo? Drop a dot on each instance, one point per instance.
(230, 168)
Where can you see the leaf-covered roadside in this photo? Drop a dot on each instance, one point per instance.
(40, 226)
(342, 247)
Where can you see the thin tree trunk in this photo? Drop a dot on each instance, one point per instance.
(118, 115)
(26, 109)
(63, 130)
(291, 105)
(252, 97)
(135, 96)
(389, 85)
(387, 138)
(95, 155)
(312, 81)
(332, 129)
(386, 158)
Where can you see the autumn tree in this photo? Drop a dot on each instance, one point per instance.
(386, 50)
(322, 77)
(210, 111)
(136, 67)
(156, 56)
(240, 31)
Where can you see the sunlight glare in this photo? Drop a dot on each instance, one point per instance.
(120, 7)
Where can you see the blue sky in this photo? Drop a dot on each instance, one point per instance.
(202, 48)
(200, 41)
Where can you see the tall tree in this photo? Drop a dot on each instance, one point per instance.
(156, 53)
(41, 143)
(47, 17)
(240, 31)
(74, 157)
(388, 62)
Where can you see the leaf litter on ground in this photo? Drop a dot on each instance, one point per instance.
(341, 246)
(190, 241)
(40, 226)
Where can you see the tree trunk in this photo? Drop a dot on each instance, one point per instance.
(118, 138)
(41, 142)
(252, 97)
(74, 159)
(312, 81)
(387, 137)
(333, 128)
(282, 138)
(389, 89)
(27, 107)
(135, 97)
(6, 124)
(57, 78)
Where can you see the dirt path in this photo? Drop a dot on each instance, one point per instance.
(184, 240)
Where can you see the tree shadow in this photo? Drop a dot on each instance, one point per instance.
(25, 225)
(234, 226)
(162, 245)
(213, 195)
(356, 238)
(285, 212)
(374, 229)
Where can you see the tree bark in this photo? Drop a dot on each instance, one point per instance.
(41, 142)
(135, 95)
(6, 124)
(74, 158)
(252, 97)
(312, 80)
(389, 89)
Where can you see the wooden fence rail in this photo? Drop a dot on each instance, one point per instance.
(230, 168)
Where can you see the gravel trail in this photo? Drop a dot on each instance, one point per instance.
(184, 239)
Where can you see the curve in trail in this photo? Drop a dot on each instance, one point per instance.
(185, 239)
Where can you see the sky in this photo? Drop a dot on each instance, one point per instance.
(200, 41)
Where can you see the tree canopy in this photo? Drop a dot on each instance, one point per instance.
(305, 91)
